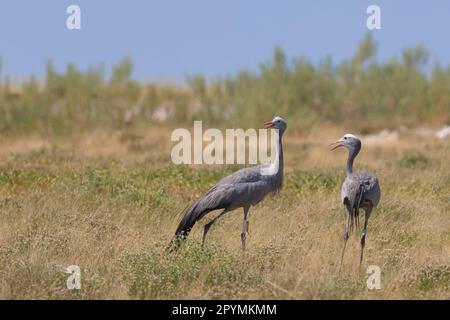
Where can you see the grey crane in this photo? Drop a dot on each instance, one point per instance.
(242, 189)
(360, 190)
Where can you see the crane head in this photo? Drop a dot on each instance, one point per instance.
(277, 123)
(348, 141)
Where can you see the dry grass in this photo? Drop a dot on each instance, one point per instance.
(109, 202)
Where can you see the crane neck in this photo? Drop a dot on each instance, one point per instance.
(279, 164)
(275, 169)
(350, 164)
(352, 153)
(280, 155)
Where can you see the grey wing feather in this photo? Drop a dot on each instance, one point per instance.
(213, 199)
(242, 188)
(251, 174)
(351, 188)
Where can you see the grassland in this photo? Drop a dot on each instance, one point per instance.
(109, 201)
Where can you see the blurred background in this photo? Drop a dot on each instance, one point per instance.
(230, 63)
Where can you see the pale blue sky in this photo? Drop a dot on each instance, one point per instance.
(171, 38)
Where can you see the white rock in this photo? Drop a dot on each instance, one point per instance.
(443, 133)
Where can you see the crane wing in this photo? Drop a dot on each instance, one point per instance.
(359, 187)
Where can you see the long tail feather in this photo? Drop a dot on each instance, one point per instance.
(194, 213)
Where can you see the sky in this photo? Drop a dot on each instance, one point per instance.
(170, 39)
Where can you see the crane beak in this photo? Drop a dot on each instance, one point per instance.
(336, 145)
(268, 125)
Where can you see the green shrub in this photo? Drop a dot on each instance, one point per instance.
(306, 93)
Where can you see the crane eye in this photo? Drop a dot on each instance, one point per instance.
(345, 138)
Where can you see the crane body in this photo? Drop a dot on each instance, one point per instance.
(242, 189)
(360, 190)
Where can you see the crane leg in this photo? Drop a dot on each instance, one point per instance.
(352, 222)
(363, 237)
(357, 220)
(209, 224)
(347, 226)
(245, 225)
